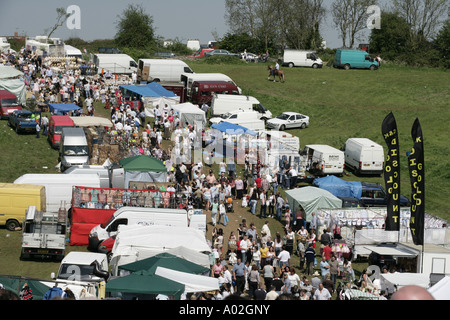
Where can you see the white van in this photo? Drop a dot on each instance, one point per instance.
(136, 216)
(78, 266)
(223, 103)
(323, 159)
(248, 119)
(189, 78)
(58, 187)
(73, 148)
(115, 63)
(364, 156)
(161, 70)
(301, 58)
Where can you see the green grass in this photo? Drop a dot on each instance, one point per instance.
(341, 104)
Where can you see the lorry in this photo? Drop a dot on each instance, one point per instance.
(301, 58)
(58, 187)
(358, 59)
(203, 91)
(247, 119)
(224, 103)
(8, 103)
(44, 234)
(22, 121)
(55, 126)
(323, 159)
(136, 216)
(116, 63)
(364, 156)
(15, 200)
(161, 70)
(73, 148)
(189, 78)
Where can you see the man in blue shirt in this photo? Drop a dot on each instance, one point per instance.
(239, 273)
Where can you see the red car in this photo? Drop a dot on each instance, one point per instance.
(106, 246)
(8, 103)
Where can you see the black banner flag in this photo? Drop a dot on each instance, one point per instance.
(417, 177)
(392, 173)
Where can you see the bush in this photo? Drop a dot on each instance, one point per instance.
(225, 59)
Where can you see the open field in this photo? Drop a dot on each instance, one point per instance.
(341, 104)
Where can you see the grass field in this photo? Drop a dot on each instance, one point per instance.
(341, 104)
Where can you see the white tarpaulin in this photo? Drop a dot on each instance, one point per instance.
(401, 279)
(192, 282)
(9, 82)
(151, 102)
(189, 113)
(441, 290)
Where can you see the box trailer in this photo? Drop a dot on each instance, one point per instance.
(323, 159)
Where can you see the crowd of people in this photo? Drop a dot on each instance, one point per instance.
(249, 262)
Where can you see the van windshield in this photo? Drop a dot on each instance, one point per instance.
(75, 150)
(8, 102)
(76, 272)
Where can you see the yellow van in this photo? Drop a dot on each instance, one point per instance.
(15, 200)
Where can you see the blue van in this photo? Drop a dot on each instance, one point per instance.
(354, 59)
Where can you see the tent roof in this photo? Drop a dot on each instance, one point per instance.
(142, 163)
(232, 129)
(63, 107)
(166, 260)
(192, 282)
(441, 290)
(92, 121)
(339, 187)
(7, 72)
(311, 199)
(149, 90)
(143, 282)
(391, 251)
(401, 279)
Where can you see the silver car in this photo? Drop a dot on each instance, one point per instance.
(288, 120)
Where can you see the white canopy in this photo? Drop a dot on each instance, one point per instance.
(192, 282)
(190, 113)
(10, 82)
(441, 290)
(401, 279)
(151, 102)
(91, 122)
(391, 251)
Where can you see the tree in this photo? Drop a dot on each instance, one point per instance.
(135, 28)
(350, 17)
(442, 44)
(61, 17)
(392, 38)
(423, 16)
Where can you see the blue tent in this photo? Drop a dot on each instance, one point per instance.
(339, 187)
(232, 129)
(61, 108)
(152, 89)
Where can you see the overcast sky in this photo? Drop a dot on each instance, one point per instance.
(182, 19)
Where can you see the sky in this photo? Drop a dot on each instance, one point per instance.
(172, 19)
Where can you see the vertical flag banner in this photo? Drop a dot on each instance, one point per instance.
(392, 173)
(417, 177)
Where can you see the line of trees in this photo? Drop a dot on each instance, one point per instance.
(411, 31)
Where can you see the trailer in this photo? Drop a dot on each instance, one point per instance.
(44, 234)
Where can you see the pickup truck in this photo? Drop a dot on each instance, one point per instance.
(43, 234)
(374, 195)
(8, 103)
(22, 121)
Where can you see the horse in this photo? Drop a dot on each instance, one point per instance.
(276, 73)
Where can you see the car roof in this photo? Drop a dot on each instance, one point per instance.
(290, 113)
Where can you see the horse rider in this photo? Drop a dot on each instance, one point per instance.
(277, 67)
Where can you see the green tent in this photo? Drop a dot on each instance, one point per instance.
(143, 169)
(165, 260)
(311, 199)
(16, 283)
(144, 282)
(142, 163)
